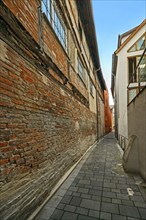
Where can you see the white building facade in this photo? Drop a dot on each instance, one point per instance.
(124, 74)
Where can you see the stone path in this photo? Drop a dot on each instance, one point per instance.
(97, 189)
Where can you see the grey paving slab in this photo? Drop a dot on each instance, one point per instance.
(57, 214)
(129, 211)
(82, 217)
(142, 213)
(118, 217)
(82, 211)
(90, 204)
(94, 213)
(76, 201)
(97, 189)
(108, 207)
(105, 215)
(69, 216)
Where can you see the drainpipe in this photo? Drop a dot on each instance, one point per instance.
(97, 116)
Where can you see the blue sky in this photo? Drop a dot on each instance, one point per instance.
(114, 17)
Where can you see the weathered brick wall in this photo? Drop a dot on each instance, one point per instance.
(27, 13)
(46, 124)
(44, 130)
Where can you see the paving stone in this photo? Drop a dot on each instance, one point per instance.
(69, 216)
(122, 186)
(66, 199)
(82, 211)
(54, 201)
(61, 206)
(83, 217)
(127, 203)
(75, 201)
(116, 190)
(140, 204)
(70, 208)
(129, 218)
(85, 196)
(88, 187)
(134, 187)
(97, 188)
(94, 213)
(105, 215)
(80, 185)
(68, 193)
(119, 217)
(109, 185)
(111, 208)
(57, 214)
(137, 198)
(76, 194)
(109, 194)
(90, 204)
(85, 182)
(123, 196)
(95, 192)
(104, 199)
(142, 213)
(96, 198)
(129, 211)
(107, 189)
(73, 188)
(96, 183)
(83, 190)
(116, 201)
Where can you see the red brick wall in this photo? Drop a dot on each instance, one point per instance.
(44, 128)
(27, 13)
(108, 113)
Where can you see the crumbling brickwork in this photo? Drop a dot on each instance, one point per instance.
(47, 121)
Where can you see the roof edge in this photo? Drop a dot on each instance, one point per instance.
(131, 36)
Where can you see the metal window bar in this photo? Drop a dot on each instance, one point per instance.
(49, 7)
(137, 66)
(140, 78)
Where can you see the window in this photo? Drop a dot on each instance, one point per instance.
(132, 68)
(91, 88)
(81, 70)
(139, 45)
(142, 69)
(49, 7)
(141, 72)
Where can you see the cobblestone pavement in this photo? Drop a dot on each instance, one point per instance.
(98, 189)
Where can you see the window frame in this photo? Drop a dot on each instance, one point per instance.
(52, 12)
(136, 76)
(136, 44)
(81, 71)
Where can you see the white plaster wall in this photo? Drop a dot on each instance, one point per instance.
(122, 82)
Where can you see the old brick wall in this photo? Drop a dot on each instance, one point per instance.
(43, 128)
(45, 125)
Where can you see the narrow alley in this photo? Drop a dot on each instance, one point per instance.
(98, 188)
(71, 72)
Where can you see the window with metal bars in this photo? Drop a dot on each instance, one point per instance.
(51, 10)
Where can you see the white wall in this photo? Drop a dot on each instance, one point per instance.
(122, 82)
